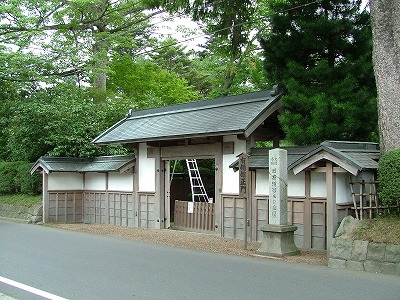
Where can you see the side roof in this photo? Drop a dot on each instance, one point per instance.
(259, 157)
(352, 156)
(117, 163)
(240, 114)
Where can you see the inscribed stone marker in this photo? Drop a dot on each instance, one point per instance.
(278, 214)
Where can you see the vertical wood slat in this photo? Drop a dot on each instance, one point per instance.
(126, 210)
(202, 217)
(66, 207)
(114, 210)
(74, 208)
(56, 207)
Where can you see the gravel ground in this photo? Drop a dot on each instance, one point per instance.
(192, 240)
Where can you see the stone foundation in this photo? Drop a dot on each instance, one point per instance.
(366, 256)
(30, 214)
(347, 253)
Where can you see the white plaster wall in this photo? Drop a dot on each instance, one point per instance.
(147, 170)
(120, 182)
(230, 178)
(366, 175)
(343, 193)
(262, 182)
(95, 181)
(65, 181)
(318, 185)
(296, 184)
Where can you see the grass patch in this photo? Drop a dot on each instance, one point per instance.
(380, 230)
(21, 199)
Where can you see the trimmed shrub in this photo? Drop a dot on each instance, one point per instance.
(15, 178)
(389, 178)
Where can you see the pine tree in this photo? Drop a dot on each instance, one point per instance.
(321, 52)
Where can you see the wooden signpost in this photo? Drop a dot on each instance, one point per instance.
(244, 190)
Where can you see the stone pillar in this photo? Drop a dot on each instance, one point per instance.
(278, 187)
(278, 235)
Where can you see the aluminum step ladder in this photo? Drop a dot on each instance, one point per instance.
(199, 193)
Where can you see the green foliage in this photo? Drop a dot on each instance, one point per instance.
(389, 178)
(322, 54)
(57, 121)
(230, 59)
(69, 38)
(27, 200)
(15, 178)
(175, 59)
(380, 230)
(143, 84)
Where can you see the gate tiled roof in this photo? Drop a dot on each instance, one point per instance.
(228, 115)
(116, 163)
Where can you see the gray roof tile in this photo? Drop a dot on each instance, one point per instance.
(361, 155)
(233, 114)
(73, 164)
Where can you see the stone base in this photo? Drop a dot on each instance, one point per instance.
(278, 240)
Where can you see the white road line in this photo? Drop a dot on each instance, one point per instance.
(30, 289)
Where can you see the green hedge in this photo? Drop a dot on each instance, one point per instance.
(389, 177)
(15, 178)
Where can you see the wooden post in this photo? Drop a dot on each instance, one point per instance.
(56, 207)
(45, 195)
(167, 195)
(135, 189)
(307, 215)
(218, 189)
(331, 204)
(106, 202)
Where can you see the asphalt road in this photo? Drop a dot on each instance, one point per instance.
(76, 265)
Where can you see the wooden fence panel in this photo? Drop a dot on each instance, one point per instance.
(261, 217)
(119, 209)
(309, 215)
(65, 206)
(233, 221)
(202, 217)
(146, 210)
(318, 225)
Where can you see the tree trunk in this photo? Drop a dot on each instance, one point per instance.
(100, 75)
(386, 57)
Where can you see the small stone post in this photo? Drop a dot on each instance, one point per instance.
(278, 235)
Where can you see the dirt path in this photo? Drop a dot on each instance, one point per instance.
(190, 240)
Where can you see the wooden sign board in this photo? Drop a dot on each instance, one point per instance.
(243, 175)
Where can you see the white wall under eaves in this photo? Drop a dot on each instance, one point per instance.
(296, 183)
(147, 170)
(230, 178)
(65, 181)
(95, 181)
(120, 182)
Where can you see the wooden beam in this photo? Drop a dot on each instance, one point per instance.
(321, 156)
(191, 151)
(339, 170)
